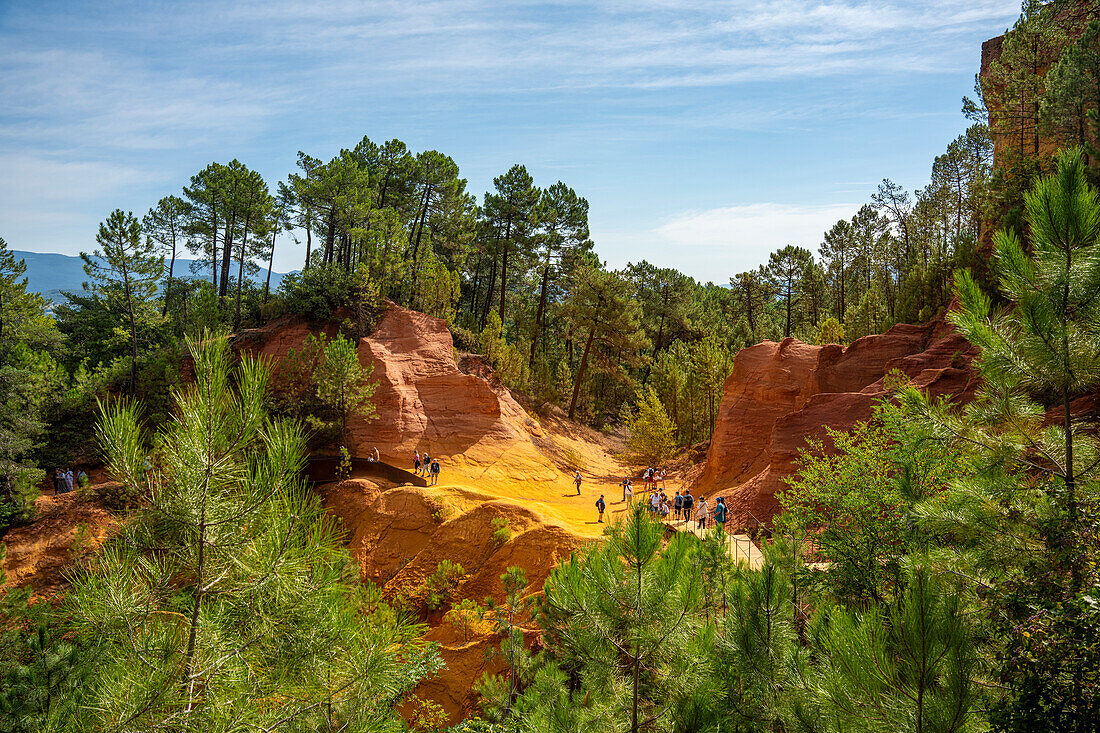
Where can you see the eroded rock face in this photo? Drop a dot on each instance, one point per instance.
(399, 535)
(425, 402)
(782, 394)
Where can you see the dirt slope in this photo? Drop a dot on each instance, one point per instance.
(40, 553)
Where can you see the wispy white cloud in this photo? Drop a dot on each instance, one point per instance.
(731, 239)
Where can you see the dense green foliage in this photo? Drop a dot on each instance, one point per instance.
(226, 602)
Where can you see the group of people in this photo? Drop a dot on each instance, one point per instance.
(682, 507)
(427, 467)
(652, 476)
(64, 481)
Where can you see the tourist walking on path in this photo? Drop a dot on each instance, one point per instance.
(702, 512)
(629, 491)
(577, 481)
(416, 462)
(685, 511)
(625, 483)
(601, 506)
(720, 513)
(435, 471)
(677, 505)
(654, 502)
(58, 481)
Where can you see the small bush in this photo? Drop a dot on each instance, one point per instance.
(443, 583)
(465, 616)
(502, 530)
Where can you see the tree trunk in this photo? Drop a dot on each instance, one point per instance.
(504, 267)
(580, 371)
(240, 268)
(227, 256)
(270, 261)
(787, 326)
(168, 286)
(541, 311)
(133, 319)
(477, 286)
(330, 236)
(309, 237)
(489, 297)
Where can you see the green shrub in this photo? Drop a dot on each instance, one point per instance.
(319, 292)
(502, 530)
(443, 583)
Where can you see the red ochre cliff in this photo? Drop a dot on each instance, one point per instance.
(781, 394)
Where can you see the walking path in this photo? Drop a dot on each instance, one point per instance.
(740, 547)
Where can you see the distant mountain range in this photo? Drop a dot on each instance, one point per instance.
(49, 274)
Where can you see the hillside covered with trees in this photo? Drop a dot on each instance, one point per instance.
(935, 569)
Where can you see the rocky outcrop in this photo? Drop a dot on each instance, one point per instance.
(425, 402)
(399, 535)
(782, 394)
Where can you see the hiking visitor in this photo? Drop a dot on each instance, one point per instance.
(677, 504)
(661, 476)
(685, 510)
(629, 490)
(69, 479)
(435, 471)
(601, 505)
(577, 481)
(416, 462)
(663, 508)
(702, 512)
(625, 482)
(720, 513)
(377, 456)
(654, 502)
(58, 482)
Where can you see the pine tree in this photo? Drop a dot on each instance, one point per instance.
(125, 268)
(343, 384)
(1024, 516)
(651, 430)
(563, 237)
(1070, 107)
(1049, 344)
(601, 309)
(614, 619)
(909, 668)
(165, 225)
(784, 272)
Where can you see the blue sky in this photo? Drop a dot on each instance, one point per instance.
(704, 134)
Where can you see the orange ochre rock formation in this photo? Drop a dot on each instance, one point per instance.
(424, 402)
(782, 394)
